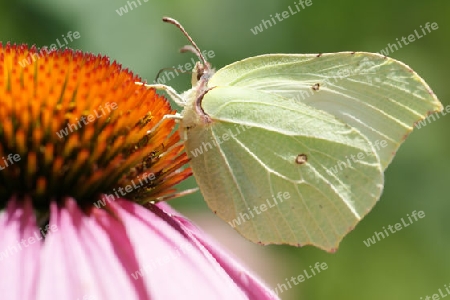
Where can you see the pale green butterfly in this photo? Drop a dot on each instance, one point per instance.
(291, 148)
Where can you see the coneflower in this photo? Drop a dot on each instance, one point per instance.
(86, 161)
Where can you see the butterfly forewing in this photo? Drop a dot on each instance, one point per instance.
(379, 96)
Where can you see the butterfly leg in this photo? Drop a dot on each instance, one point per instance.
(169, 90)
(176, 116)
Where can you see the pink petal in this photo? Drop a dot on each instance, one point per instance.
(173, 267)
(19, 251)
(79, 261)
(253, 287)
(128, 252)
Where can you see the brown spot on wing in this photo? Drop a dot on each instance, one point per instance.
(301, 159)
(316, 87)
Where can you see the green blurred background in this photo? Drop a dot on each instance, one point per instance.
(409, 264)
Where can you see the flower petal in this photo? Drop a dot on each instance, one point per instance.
(125, 252)
(173, 264)
(253, 287)
(79, 262)
(19, 251)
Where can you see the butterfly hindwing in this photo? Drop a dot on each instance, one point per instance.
(249, 160)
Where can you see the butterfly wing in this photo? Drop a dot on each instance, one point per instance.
(280, 171)
(377, 95)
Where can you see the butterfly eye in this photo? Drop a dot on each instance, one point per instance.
(197, 73)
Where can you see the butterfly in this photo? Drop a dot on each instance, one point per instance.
(291, 148)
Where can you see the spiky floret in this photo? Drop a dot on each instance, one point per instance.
(76, 125)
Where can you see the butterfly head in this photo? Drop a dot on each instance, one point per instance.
(202, 71)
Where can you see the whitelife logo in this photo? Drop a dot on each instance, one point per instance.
(26, 242)
(12, 158)
(360, 156)
(281, 287)
(46, 50)
(86, 119)
(432, 118)
(146, 178)
(131, 4)
(265, 24)
(243, 217)
(216, 141)
(398, 226)
(169, 75)
(439, 296)
(411, 38)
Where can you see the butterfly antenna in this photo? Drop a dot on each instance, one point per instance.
(195, 48)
